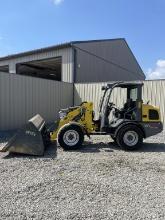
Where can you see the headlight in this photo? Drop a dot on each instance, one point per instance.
(62, 114)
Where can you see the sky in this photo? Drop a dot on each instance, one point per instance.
(32, 24)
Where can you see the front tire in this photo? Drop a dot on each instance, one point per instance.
(129, 138)
(70, 137)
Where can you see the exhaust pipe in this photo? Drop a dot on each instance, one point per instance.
(31, 139)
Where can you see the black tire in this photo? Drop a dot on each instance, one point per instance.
(129, 137)
(75, 133)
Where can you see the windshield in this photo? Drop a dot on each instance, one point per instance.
(118, 96)
(104, 99)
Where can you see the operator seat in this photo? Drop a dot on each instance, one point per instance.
(128, 104)
(128, 109)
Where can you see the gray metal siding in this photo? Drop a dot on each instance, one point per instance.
(67, 61)
(93, 69)
(22, 97)
(153, 91)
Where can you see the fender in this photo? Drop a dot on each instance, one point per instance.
(78, 125)
(125, 123)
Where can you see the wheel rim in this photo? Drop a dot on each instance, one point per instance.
(71, 137)
(130, 138)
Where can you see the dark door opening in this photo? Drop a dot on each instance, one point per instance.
(4, 69)
(47, 69)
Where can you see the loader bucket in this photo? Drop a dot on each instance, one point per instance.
(31, 139)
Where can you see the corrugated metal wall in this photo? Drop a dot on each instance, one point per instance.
(22, 97)
(90, 68)
(67, 61)
(153, 91)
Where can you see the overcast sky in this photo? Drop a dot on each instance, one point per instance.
(30, 24)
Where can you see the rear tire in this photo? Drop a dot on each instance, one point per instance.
(129, 138)
(70, 137)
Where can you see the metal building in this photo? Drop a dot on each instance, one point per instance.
(78, 61)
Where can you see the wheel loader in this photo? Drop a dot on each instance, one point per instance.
(127, 126)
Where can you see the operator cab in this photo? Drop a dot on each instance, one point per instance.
(130, 103)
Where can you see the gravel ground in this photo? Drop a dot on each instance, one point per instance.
(97, 182)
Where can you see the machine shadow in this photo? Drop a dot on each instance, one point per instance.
(152, 147)
(90, 147)
(50, 153)
(146, 147)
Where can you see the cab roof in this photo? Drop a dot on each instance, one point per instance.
(125, 84)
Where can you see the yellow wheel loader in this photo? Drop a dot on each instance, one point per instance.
(128, 125)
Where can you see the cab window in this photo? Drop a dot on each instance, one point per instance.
(133, 94)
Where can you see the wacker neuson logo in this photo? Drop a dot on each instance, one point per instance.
(30, 133)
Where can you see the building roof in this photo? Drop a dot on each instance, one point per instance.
(54, 47)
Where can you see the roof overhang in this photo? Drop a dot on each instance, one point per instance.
(55, 47)
(41, 50)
